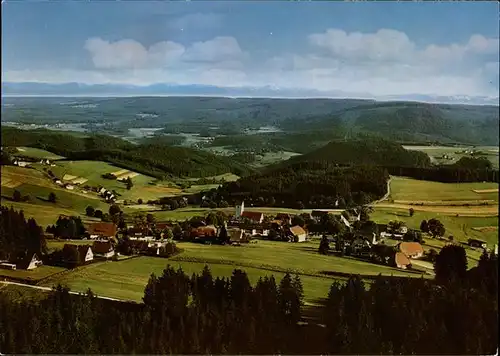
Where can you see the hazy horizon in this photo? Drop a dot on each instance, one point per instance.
(362, 49)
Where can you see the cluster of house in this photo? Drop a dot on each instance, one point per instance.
(19, 163)
(107, 195)
(47, 162)
(86, 253)
(28, 262)
(248, 224)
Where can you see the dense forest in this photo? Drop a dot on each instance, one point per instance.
(206, 315)
(366, 151)
(19, 236)
(397, 121)
(155, 159)
(306, 185)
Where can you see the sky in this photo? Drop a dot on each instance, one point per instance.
(360, 48)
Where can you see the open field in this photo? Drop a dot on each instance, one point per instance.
(480, 210)
(420, 190)
(273, 157)
(25, 175)
(480, 191)
(33, 275)
(455, 153)
(228, 177)
(21, 293)
(461, 228)
(45, 214)
(92, 171)
(127, 279)
(7, 183)
(38, 153)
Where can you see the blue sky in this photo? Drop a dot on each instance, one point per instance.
(361, 48)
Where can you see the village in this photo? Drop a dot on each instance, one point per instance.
(353, 236)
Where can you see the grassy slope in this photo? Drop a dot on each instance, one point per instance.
(435, 152)
(37, 153)
(126, 279)
(36, 274)
(459, 227)
(418, 190)
(36, 184)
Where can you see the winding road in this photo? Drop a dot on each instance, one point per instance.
(386, 196)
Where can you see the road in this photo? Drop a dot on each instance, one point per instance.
(386, 196)
(70, 292)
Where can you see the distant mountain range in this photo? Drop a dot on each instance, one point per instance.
(79, 89)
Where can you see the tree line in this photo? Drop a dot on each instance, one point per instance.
(19, 236)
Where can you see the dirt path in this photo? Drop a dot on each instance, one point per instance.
(386, 196)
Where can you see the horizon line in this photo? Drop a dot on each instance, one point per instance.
(90, 96)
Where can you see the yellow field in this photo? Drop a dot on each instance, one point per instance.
(69, 177)
(79, 180)
(7, 183)
(485, 228)
(21, 175)
(127, 175)
(485, 190)
(480, 210)
(444, 198)
(449, 203)
(121, 171)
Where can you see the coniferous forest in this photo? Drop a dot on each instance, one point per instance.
(455, 314)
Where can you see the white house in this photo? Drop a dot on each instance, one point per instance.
(299, 234)
(87, 252)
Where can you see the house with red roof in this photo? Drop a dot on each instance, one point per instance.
(254, 216)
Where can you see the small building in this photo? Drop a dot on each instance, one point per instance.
(345, 221)
(84, 251)
(284, 218)
(7, 265)
(411, 249)
(254, 216)
(69, 186)
(401, 261)
(103, 249)
(477, 243)
(204, 231)
(236, 235)
(361, 247)
(162, 226)
(102, 229)
(139, 245)
(261, 232)
(30, 262)
(298, 233)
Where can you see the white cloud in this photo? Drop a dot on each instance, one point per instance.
(386, 62)
(383, 45)
(131, 54)
(215, 50)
